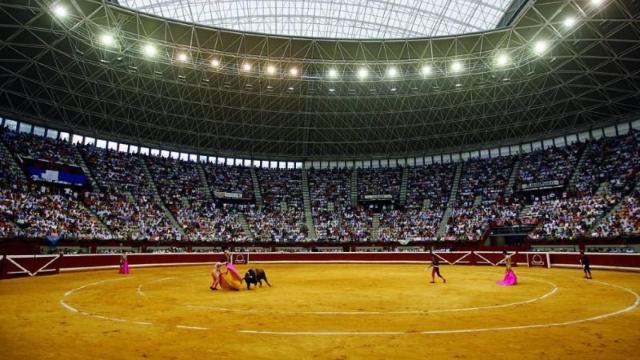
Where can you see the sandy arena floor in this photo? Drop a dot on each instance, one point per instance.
(322, 312)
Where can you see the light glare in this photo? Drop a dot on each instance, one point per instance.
(426, 70)
(246, 67)
(107, 39)
(182, 57)
(363, 73)
(293, 71)
(456, 66)
(149, 50)
(569, 22)
(502, 59)
(540, 47)
(271, 70)
(60, 10)
(333, 73)
(215, 63)
(392, 71)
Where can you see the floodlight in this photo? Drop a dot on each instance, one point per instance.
(502, 59)
(363, 73)
(107, 39)
(540, 47)
(456, 67)
(149, 50)
(182, 57)
(569, 22)
(60, 10)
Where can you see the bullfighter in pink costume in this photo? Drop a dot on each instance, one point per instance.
(124, 264)
(510, 277)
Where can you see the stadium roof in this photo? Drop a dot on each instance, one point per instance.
(351, 19)
(107, 71)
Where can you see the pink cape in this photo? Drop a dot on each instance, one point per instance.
(124, 267)
(233, 271)
(509, 279)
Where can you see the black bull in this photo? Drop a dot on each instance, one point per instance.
(255, 277)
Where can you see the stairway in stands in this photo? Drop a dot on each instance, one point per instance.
(15, 169)
(256, 187)
(616, 208)
(354, 187)
(158, 199)
(403, 185)
(577, 171)
(603, 188)
(83, 165)
(206, 190)
(308, 215)
(375, 227)
(512, 179)
(245, 226)
(442, 227)
(101, 225)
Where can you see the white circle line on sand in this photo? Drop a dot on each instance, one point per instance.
(97, 316)
(458, 331)
(406, 312)
(141, 292)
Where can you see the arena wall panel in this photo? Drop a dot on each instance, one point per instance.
(31, 265)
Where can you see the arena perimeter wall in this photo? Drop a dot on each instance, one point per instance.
(31, 265)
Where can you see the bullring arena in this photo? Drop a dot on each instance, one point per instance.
(383, 307)
(417, 179)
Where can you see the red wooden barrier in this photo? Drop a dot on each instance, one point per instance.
(30, 265)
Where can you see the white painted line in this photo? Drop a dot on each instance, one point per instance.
(191, 327)
(141, 292)
(458, 331)
(324, 333)
(407, 312)
(97, 316)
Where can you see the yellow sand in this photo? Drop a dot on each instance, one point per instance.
(321, 312)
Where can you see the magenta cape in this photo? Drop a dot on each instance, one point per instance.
(124, 267)
(509, 279)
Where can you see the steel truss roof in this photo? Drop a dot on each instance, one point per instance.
(353, 19)
(53, 71)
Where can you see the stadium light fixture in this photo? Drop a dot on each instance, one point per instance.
(363, 72)
(59, 10)
(293, 71)
(597, 2)
(569, 22)
(502, 60)
(271, 69)
(246, 67)
(540, 47)
(332, 73)
(426, 70)
(332, 90)
(149, 50)
(290, 88)
(215, 63)
(107, 40)
(456, 67)
(392, 72)
(182, 57)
